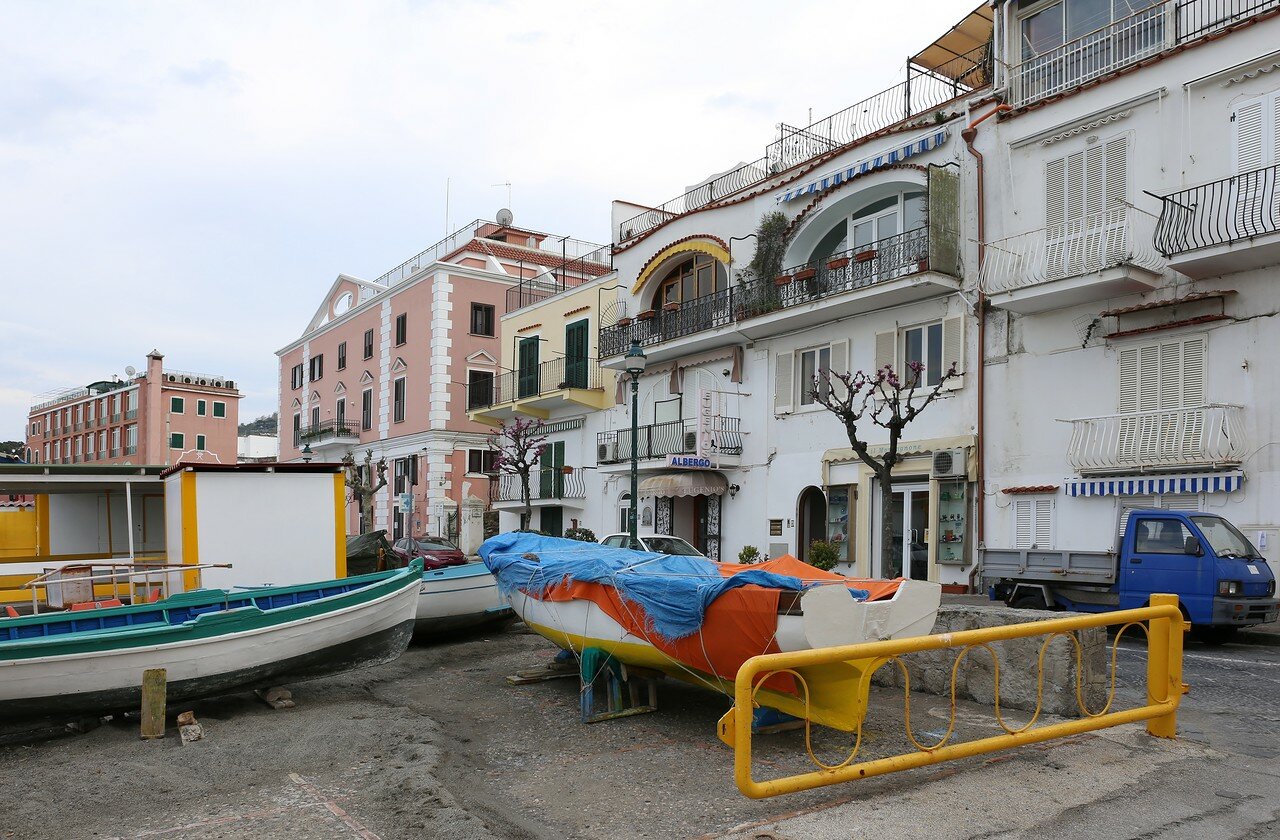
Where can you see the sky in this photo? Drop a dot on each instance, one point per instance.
(191, 177)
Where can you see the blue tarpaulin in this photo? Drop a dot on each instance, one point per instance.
(674, 591)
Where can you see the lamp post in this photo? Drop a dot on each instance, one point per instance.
(633, 363)
(306, 453)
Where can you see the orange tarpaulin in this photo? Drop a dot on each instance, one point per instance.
(739, 624)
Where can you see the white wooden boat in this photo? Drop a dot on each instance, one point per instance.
(458, 597)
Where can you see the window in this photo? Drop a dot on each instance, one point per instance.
(89, 410)
(297, 428)
(315, 416)
(923, 346)
(1033, 522)
(79, 445)
(1085, 195)
(1052, 27)
(937, 346)
(1161, 536)
(219, 409)
(176, 440)
(1256, 145)
(341, 416)
(317, 367)
(482, 319)
(402, 328)
(1168, 375)
(177, 405)
(342, 356)
(201, 408)
(200, 443)
(812, 364)
(482, 461)
(366, 410)
(868, 225)
(115, 441)
(296, 377)
(368, 344)
(479, 389)
(88, 443)
(397, 400)
(694, 278)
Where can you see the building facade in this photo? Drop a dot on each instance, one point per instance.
(158, 416)
(385, 366)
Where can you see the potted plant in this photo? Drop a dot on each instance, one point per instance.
(782, 280)
(837, 263)
(864, 256)
(566, 470)
(624, 322)
(749, 555)
(647, 315)
(823, 555)
(805, 274)
(671, 307)
(922, 264)
(580, 534)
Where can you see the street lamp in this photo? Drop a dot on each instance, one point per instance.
(633, 363)
(306, 453)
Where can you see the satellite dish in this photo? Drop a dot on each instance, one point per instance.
(504, 217)
(130, 371)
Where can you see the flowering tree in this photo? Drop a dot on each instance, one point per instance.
(517, 447)
(881, 398)
(365, 480)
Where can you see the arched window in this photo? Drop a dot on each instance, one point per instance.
(624, 512)
(873, 223)
(696, 277)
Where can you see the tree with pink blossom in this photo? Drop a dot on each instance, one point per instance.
(517, 448)
(881, 398)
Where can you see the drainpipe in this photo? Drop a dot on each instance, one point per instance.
(969, 134)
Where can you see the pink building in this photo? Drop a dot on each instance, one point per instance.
(384, 365)
(156, 416)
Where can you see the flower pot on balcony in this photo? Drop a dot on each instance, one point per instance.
(566, 470)
(922, 264)
(782, 280)
(647, 315)
(670, 307)
(806, 274)
(864, 256)
(838, 263)
(624, 322)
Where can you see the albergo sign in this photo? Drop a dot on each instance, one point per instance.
(689, 462)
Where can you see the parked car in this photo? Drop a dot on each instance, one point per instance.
(436, 552)
(657, 543)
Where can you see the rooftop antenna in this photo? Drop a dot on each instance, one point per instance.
(446, 207)
(506, 184)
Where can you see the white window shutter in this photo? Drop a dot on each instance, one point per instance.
(1128, 504)
(1075, 186)
(1117, 177)
(1193, 362)
(953, 347)
(1250, 134)
(1275, 128)
(839, 367)
(1171, 375)
(1096, 178)
(1044, 523)
(1023, 513)
(1055, 192)
(887, 350)
(783, 382)
(1128, 397)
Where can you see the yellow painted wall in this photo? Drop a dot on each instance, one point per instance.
(553, 315)
(17, 532)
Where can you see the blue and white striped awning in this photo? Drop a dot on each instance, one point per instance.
(892, 156)
(1219, 482)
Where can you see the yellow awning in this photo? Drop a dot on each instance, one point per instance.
(693, 483)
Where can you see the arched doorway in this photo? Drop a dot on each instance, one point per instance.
(811, 519)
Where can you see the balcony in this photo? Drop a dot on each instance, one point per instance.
(581, 262)
(677, 437)
(534, 392)
(131, 450)
(336, 433)
(910, 266)
(1199, 436)
(1222, 227)
(926, 92)
(131, 414)
(546, 487)
(1124, 42)
(115, 418)
(1099, 256)
(115, 452)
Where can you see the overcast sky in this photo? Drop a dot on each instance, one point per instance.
(192, 176)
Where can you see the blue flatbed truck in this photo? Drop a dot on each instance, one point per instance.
(1221, 580)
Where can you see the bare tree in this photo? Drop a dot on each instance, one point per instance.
(884, 399)
(365, 480)
(517, 447)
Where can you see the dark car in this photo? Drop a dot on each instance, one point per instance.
(436, 552)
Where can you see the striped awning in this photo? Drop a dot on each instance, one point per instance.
(892, 156)
(1219, 482)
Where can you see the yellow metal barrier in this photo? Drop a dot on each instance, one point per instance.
(1164, 690)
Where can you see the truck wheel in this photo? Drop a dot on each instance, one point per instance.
(1213, 635)
(1028, 602)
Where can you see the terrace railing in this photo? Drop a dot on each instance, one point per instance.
(326, 429)
(1123, 42)
(544, 485)
(1219, 213)
(572, 272)
(924, 93)
(1204, 435)
(658, 440)
(548, 377)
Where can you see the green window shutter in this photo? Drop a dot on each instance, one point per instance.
(219, 409)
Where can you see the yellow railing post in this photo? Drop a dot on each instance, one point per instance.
(1164, 667)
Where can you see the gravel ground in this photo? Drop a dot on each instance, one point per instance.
(439, 745)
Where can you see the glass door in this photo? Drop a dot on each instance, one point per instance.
(908, 555)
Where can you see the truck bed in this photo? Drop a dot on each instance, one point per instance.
(1095, 567)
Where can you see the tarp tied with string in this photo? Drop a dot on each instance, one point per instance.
(709, 616)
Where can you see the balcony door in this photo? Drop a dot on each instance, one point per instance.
(527, 373)
(908, 510)
(1161, 402)
(551, 471)
(575, 354)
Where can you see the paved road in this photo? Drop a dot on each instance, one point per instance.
(1234, 702)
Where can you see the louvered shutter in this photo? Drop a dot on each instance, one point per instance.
(1023, 513)
(1254, 142)
(1127, 403)
(1191, 435)
(1250, 135)
(839, 367)
(887, 350)
(1055, 196)
(783, 383)
(953, 348)
(1044, 523)
(1116, 185)
(1128, 504)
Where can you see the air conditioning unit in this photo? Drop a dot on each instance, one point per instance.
(171, 377)
(218, 383)
(690, 441)
(607, 451)
(186, 380)
(204, 382)
(949, 463)
(230, 384)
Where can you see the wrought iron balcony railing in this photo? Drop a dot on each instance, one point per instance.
(572, 272)
(923, 93)
(1219, 213)
(1112, 237)
(887, 259)
(1198, 436)
(544, 485)
(1126, 41)
(547, 378)
(658, 440)
(326, 429)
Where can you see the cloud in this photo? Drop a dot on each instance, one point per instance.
(203, 74)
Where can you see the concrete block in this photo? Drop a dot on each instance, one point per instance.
(1018, 664)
